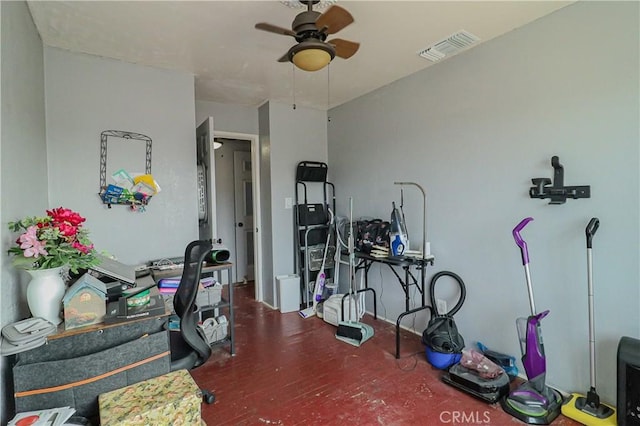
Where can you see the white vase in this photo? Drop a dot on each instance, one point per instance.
(45, 292)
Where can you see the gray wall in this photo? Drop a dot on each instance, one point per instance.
(294, 135)
(473, 130)
(86, 95)
(265, 234)
(227, 117)
(23, 156)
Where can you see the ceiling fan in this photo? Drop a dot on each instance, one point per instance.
(310, 29)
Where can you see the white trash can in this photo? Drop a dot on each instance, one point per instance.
(288, 292)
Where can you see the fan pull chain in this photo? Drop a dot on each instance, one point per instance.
(328, 91)
(293, 77)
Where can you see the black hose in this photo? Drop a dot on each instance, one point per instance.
(432, 292)
(442, 333)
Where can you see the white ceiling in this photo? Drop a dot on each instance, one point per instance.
(235, 63)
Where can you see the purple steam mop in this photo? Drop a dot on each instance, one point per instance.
(532, 402)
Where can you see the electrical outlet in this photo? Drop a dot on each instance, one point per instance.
(288, 202)
(441, 305)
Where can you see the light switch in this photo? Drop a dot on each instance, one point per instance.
(288, 202)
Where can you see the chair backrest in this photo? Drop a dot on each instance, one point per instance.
(185, 297)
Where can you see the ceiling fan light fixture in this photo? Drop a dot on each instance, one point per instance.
(310, 29)
(313, 59)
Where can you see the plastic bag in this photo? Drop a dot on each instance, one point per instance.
(476, 361)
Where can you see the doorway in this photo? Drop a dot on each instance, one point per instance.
(237, 190)
(245, 234)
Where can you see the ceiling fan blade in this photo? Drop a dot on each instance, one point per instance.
(274, 29)
(344, 48)
(334, 19)
(284, 58)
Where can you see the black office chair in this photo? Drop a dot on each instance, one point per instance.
(189, 347)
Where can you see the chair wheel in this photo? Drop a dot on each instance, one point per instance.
(208, 397)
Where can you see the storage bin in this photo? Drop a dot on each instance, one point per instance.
(78, 380)
(288, 292)
(209, 296)
(313, 236)
(312, 214)
(316, 255)
(215, 329)
(311, 171)
(170, 399)
(92, 340)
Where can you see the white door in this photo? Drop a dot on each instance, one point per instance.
(206, 169)
(243, 215)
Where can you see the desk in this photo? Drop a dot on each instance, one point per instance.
(77, 365)
(209, 269)
(364, 262)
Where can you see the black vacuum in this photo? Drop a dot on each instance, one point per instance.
(489, 388)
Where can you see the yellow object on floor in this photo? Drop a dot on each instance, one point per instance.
(570, 410)
(172, 399)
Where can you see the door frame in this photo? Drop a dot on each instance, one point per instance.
(210, 162)
(257, 214)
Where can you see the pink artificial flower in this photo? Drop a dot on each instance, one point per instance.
(31, 245)
(29, 238)
(36, 250)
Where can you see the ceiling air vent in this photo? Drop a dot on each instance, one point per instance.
(449, 46)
